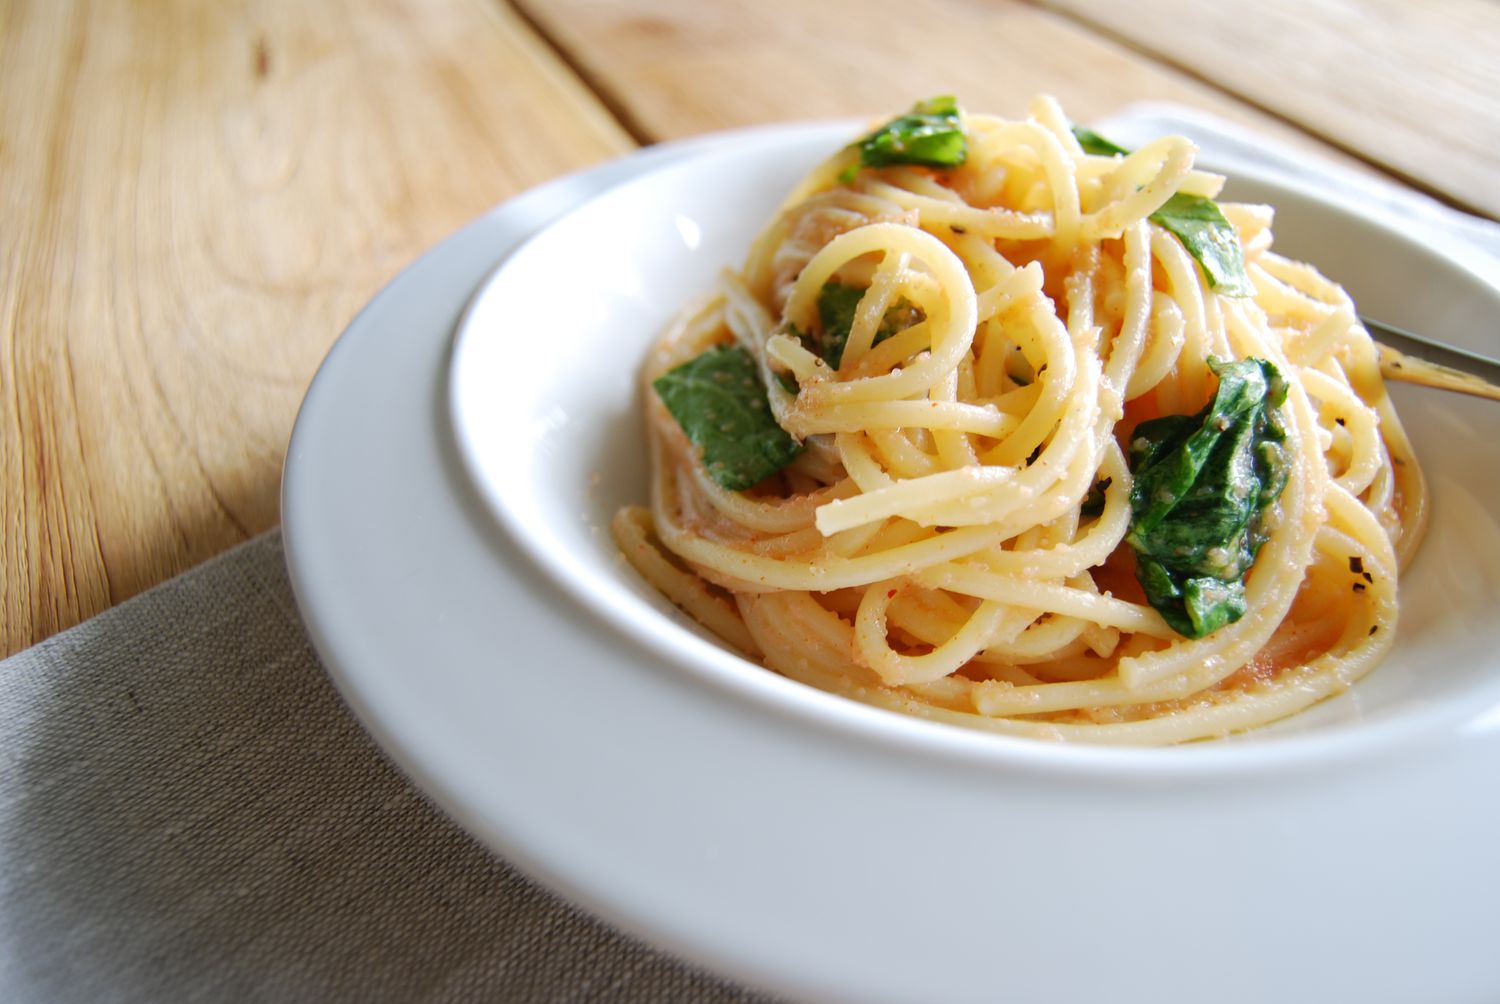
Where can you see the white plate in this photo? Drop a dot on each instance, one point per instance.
(801, 842)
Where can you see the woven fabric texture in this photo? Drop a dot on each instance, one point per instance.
(189, 812)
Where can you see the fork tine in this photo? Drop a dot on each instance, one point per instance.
(1410, 358)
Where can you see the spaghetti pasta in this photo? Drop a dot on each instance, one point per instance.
(975, 351)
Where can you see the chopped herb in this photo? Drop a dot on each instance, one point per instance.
(1093, 502)
(1202, 487)
(958, 229)
(836, 306)
(720, 403)
(1340, 421)
(1095, 144)
(1210, 238)
(1356, 564)
(1374, 628)
(931, 134)
(1359, 587)
(1034, 455)
(1197, 222)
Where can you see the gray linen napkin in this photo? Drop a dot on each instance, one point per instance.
(188, 811)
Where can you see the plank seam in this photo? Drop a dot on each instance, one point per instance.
(1165, 60)
(585, 74)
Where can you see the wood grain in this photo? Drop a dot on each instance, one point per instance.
(194, 200)
(679, 67)
(1415, 87)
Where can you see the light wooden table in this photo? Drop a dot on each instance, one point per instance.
(195, 198)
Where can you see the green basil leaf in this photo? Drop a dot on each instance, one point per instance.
(1197, 222)
(1210, 238)
(1093, 143)
(837, 304)
(1202, 486)
(1093, 502)
(720, 402)
(931, 134)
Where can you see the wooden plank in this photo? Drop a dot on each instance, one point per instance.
(680, 67)
(194, 200)
(1413, 86)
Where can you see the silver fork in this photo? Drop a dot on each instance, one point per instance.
(1411, 358)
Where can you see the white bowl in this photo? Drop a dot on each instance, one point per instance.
(545, 404)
